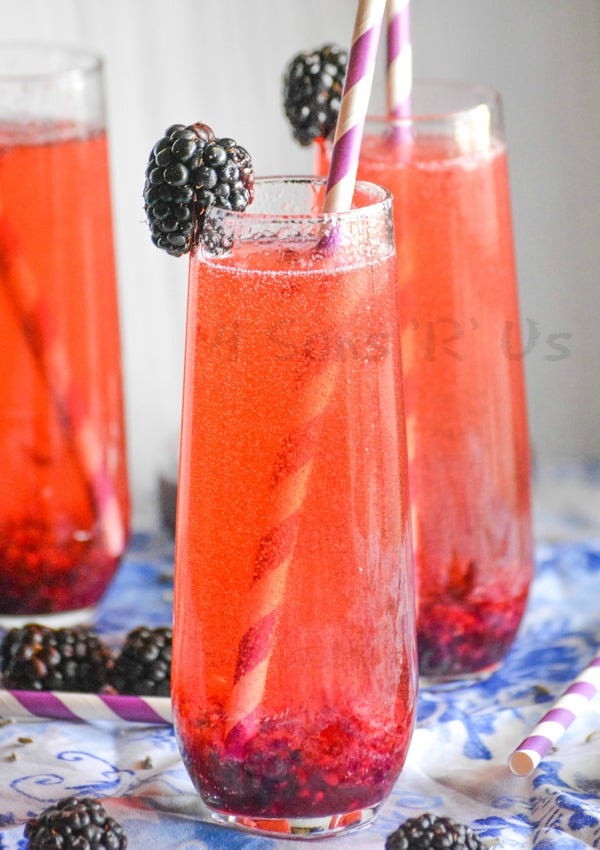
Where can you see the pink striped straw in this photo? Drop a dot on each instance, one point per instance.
(555, 722)
(399, 59)
(59, 705)
(48, 351)
(293, 466)
(289, 484)
(353, 108)
(291, 475)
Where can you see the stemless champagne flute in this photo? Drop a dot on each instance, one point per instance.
(446, 167)
(294, 667)
(64, 504)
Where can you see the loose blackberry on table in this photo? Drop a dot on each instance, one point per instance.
(73, 822)
(430, 832)
(189, 171)
(40, 658)
(143, 667)
(312, 92)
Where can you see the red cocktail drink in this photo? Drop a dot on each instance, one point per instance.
(64, 497)
(464, 386)
(294, 669)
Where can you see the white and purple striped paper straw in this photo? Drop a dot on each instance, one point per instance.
(399, 59)
(59, 705)
(353, 108)
(555, 722)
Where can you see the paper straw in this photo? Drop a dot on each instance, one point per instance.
(87, 708)
(555, 722)
(290, 480)
(51, 359)
(353, 108)
(294, 463)
(292, 470)
(399, 59)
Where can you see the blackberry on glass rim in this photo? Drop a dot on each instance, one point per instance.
(188, 171)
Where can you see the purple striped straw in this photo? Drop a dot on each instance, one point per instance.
(399, 59)
(353, 108)
(59, 705)
(555, 722)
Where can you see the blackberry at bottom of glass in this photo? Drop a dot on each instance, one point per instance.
(462, 640)
(52, 572)
(297, 776)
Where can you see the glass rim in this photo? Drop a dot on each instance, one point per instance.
(485, 95)
(73, 60)
(381, 200)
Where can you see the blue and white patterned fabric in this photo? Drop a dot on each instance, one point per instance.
(457, 763)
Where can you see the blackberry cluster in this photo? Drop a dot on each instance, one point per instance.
(312, 92)
(143, 666)
(429, 832)
(189, 171)
(80, 823)
(40, 658)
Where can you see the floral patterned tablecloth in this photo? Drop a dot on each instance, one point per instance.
(457, 763)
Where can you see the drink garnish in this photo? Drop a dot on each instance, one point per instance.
(312, 92)
(189, 171)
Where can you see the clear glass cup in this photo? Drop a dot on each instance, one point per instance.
(446, 167)
(294, 668)
(64, 503)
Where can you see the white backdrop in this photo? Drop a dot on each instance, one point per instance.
(221, 62)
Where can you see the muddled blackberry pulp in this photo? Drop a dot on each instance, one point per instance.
(466, 625)
(462, 637)
(297, 767)
(47, 567)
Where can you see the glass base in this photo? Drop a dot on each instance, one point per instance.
(458, 680)
(59, 620)
(306, 828)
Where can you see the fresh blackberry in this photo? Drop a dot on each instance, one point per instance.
(225, 177)
(312, 92)
(429, 832)
(143, 666)
(40, 658)
(81, 823)
(187, 172)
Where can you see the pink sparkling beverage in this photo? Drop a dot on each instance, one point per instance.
(294, 668)
(64, 500)
(464, 384)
